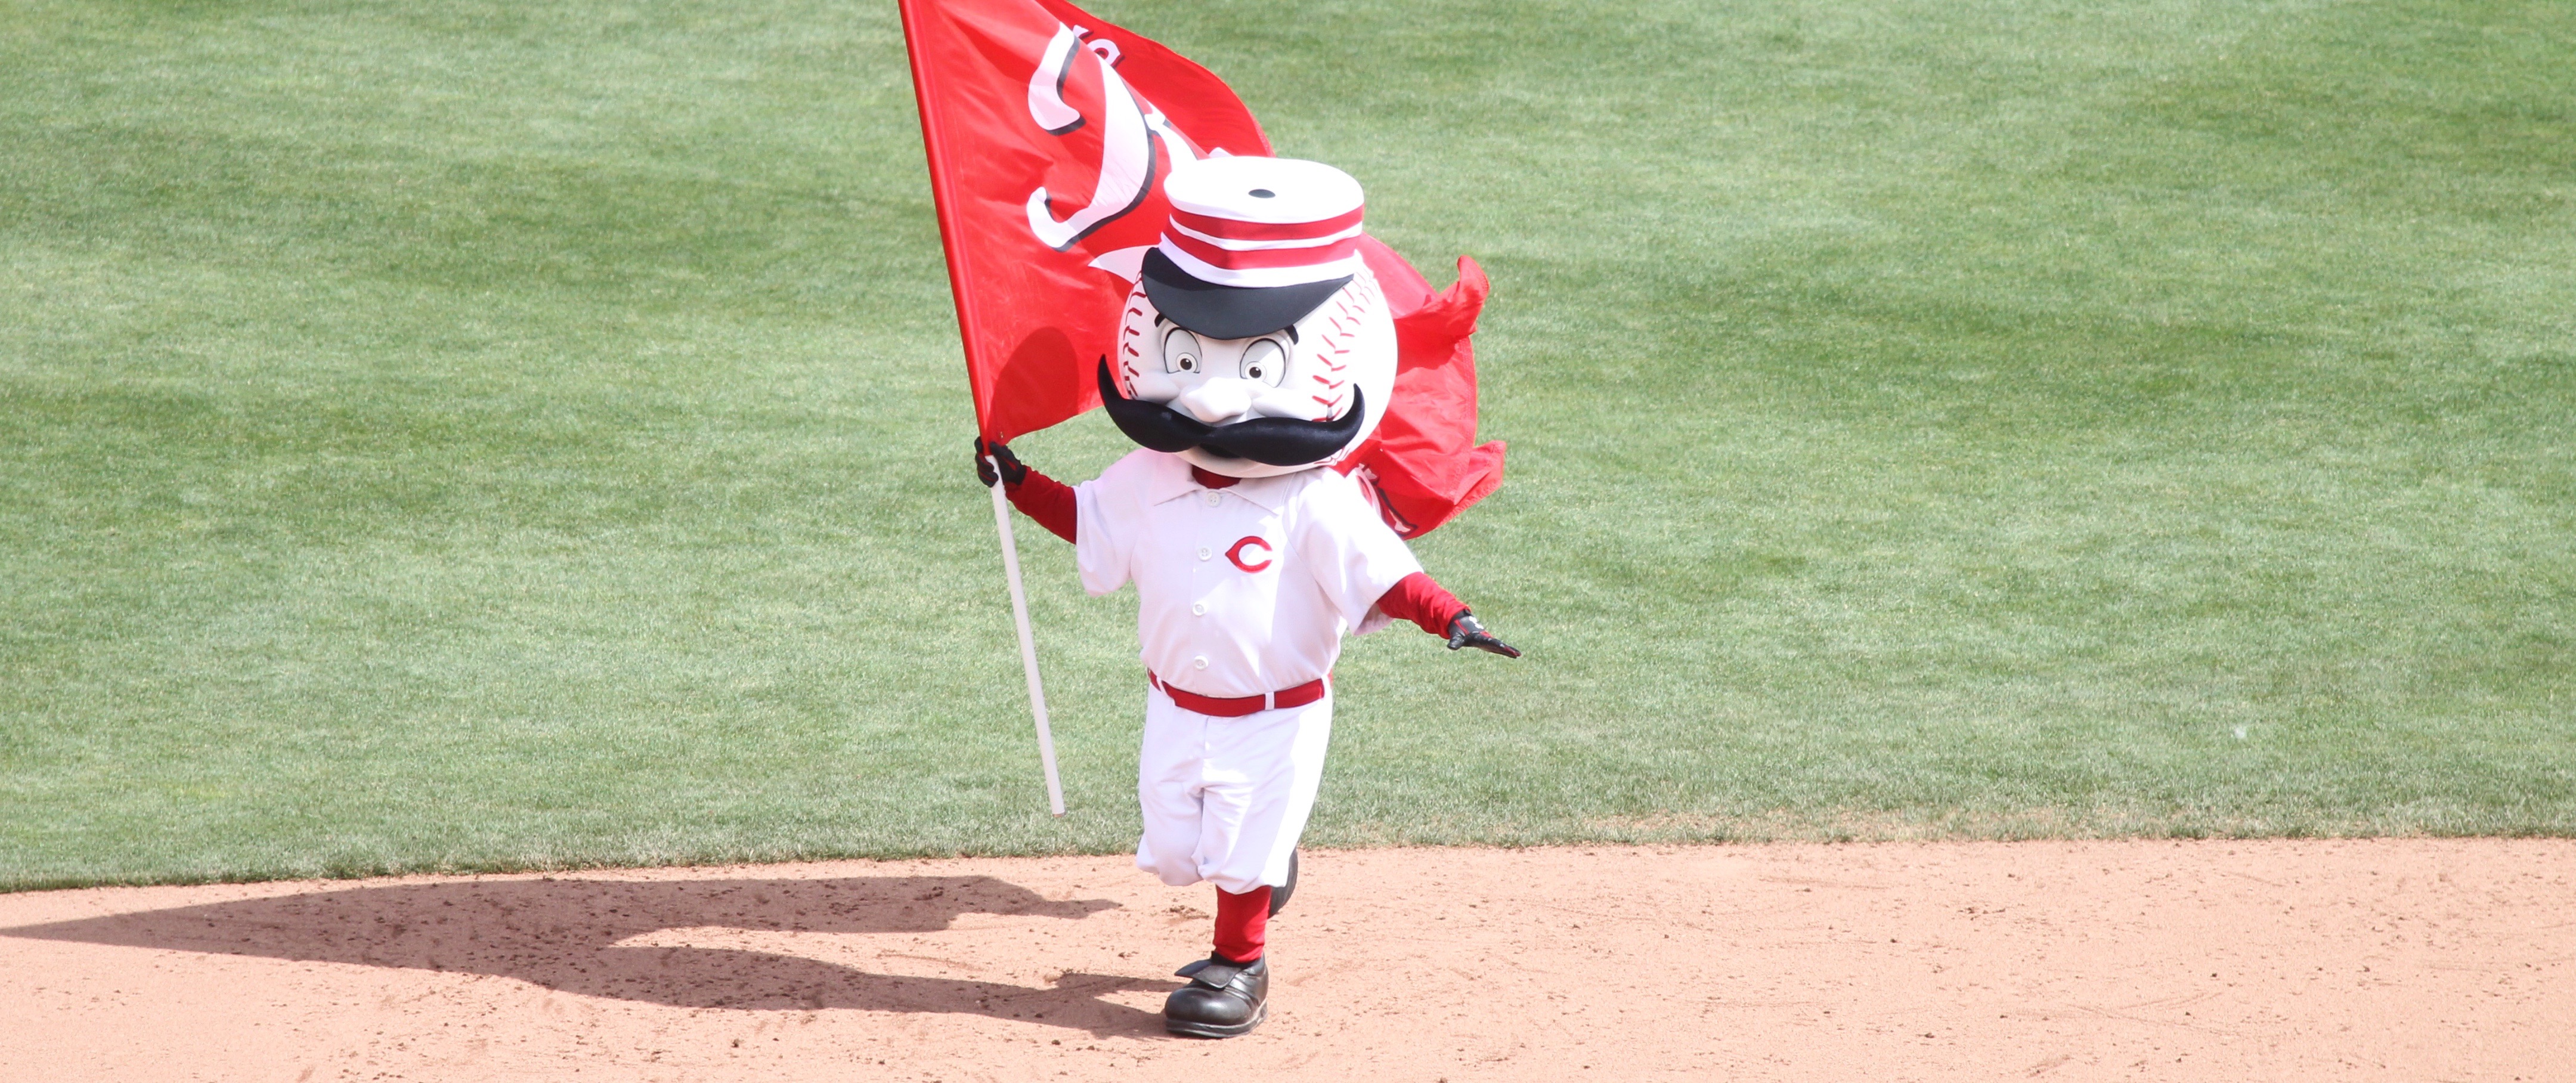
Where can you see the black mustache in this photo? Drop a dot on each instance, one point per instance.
(1274, 441)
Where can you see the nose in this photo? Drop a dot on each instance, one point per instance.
(1216, 401)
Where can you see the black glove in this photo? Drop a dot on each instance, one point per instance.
(1467, 631)
(1012, 469)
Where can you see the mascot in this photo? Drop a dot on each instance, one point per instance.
(1257, 352)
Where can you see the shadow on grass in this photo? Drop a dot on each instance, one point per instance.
(565, 934)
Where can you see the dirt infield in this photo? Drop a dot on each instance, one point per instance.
(2398, 960)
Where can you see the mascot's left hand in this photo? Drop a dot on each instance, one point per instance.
(1467, 631)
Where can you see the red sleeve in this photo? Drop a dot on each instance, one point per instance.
(1416, 598)
(1046, 500)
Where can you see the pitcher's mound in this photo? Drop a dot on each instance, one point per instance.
(2381, 959)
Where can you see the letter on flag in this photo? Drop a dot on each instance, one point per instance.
(1049, 133)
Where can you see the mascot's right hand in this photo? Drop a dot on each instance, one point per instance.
(1467, 631)
(1012, 469)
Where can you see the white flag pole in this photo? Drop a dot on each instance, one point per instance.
(1028, 640)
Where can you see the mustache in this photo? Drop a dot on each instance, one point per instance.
(1273, 441)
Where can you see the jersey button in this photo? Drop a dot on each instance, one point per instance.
(1199, 662)
(1199, 609)
(1205, 552)
(1212, 498)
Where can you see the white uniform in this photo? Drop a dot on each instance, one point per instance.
(1240, 591)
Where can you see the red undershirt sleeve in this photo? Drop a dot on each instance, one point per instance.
(1046, 500)
(1418, 599)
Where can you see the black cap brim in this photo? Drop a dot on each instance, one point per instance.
(1229, 311)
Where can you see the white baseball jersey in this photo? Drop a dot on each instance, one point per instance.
(1242, 590)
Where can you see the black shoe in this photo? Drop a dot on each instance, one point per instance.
(1224, 998)
(1279, 895)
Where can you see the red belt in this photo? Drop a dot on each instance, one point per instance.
(1239, 706)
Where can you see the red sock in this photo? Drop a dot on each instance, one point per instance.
(1242, 923)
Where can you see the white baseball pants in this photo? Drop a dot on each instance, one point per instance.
(1226, 798)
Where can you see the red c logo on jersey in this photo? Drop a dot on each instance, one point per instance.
(1236, 554)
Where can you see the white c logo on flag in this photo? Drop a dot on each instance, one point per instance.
(1128, 160)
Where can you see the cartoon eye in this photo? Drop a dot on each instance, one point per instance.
(1181, 351)
(1265, 361)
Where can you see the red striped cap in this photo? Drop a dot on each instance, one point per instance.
(1262, 223)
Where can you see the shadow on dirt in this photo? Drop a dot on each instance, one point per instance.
(564, 934)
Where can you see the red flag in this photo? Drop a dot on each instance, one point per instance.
(1423, 464)
(1049, 133)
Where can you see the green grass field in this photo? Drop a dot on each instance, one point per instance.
(473, 436)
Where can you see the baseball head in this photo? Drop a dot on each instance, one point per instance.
(1256, 342)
